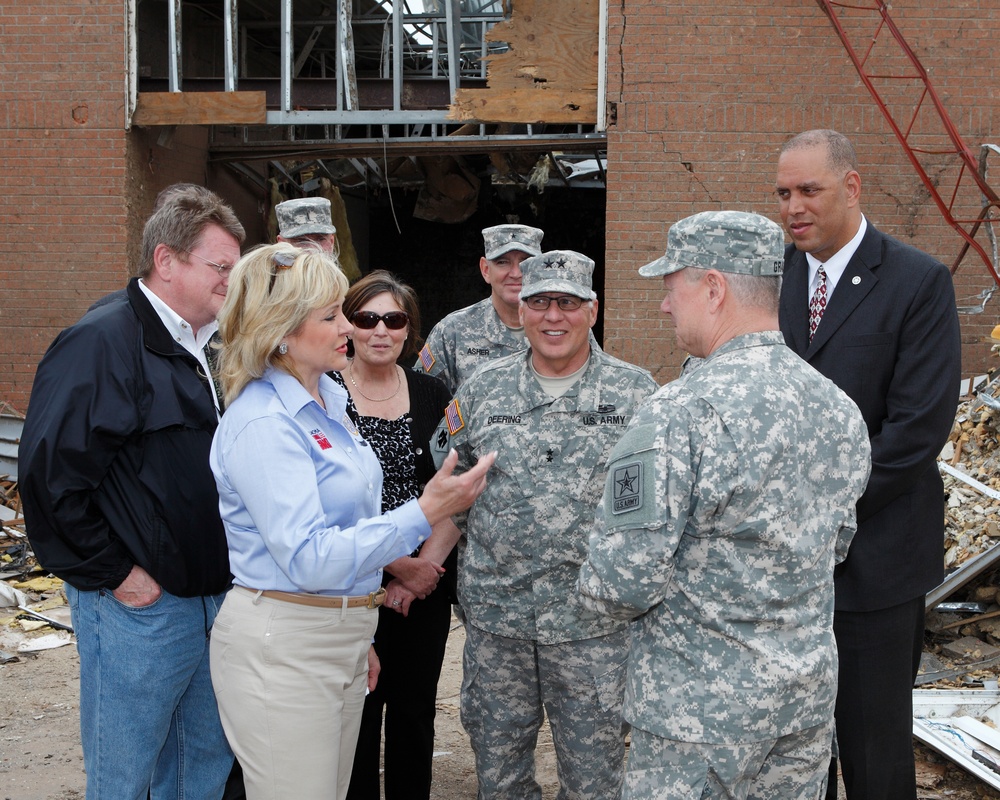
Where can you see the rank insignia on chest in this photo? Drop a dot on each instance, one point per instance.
(453, 416)
(426, 358)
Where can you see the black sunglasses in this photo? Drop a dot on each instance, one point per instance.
(366, 320)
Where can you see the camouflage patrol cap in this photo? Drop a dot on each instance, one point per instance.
(502, 239)
(729, 241)
(563, 271)
(304, 215)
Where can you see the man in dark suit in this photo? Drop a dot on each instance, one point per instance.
(878, 318)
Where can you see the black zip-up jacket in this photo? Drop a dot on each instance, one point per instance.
(113, 461)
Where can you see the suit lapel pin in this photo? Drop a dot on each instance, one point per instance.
(856, 280)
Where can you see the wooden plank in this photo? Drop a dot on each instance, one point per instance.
(200, 108)
(529, 106)
(550, 72)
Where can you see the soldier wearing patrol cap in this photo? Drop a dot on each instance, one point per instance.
(552, 413)
(307, 221)
(490, 328)
(727, 503)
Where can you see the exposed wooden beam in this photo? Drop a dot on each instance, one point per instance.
(200, 108)
(527, 105)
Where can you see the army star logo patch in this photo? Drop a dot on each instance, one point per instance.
(627, 483)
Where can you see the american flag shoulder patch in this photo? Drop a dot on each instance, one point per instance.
(453, 416)
(426, 358)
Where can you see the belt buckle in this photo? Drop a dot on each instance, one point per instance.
(375, 599)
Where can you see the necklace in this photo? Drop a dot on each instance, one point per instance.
(354, 383)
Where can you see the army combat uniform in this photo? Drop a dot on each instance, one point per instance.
(727, 503)
(471, 336)
(530, 640)
(463, 340)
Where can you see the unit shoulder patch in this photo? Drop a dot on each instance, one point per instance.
(626, 487)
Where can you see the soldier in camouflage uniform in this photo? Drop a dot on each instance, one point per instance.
(727, 503)
(552, 413)
(307, 221)
(490, 328)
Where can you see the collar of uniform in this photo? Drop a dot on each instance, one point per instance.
(744, 341)
(575, 396)
(495, 330)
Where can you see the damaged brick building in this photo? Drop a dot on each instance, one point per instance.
(601, 122)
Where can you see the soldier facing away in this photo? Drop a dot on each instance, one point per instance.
(727, 503)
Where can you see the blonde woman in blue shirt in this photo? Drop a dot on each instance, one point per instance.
(300, 497)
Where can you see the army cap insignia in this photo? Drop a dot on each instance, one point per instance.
(502, 239)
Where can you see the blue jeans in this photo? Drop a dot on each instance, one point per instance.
(148, 717)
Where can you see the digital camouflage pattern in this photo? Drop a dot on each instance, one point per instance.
(502, 239)
(727, 503)
(560, 271)
(527, 533)
(471, 336)
(464, 340)
(770, 770)
(729, 241)
(304, 215)
(504, 682)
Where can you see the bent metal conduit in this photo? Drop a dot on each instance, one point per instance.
(964, 158)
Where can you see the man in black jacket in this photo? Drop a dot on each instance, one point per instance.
(119, 502)
(878, 318)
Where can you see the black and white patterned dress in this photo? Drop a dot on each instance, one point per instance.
(392, 442)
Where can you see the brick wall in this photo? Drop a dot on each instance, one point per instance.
(705, 94)
(62, 138)
(75, 186)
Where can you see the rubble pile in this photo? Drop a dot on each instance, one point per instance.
(963, 629)
(32, 604)
(972, 517)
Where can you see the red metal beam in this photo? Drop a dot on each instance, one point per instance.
(964, 160)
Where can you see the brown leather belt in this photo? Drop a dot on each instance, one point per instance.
(373, 600)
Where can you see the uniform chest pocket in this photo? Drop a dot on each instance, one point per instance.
(508, 481)
(583, 461)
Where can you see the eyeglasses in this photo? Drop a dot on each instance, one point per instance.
(541, 302)
(366, 320)
(222, 269)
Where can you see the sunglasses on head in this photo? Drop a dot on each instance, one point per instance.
(366, 320)
(281, 262)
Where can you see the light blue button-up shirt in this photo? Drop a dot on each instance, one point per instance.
(300, 493)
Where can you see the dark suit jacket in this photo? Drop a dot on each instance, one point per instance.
(890, 339)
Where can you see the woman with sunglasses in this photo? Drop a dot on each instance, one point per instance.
(397, 410)
(300, 493)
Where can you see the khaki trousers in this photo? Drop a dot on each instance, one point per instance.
(290, 681)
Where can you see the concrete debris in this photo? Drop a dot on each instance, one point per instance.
(962, 726)
(32, 603)
(957, 705)
(970, 648)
